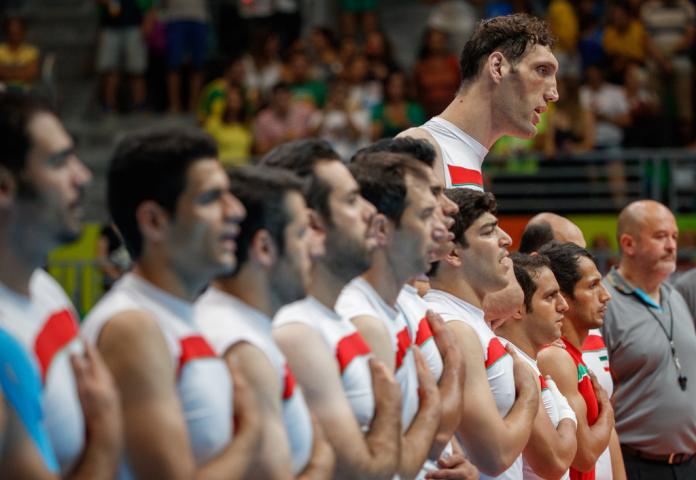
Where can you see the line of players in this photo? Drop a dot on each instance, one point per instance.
(271, 326)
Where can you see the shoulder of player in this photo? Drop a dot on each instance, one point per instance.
(555, 361)
(258, 370)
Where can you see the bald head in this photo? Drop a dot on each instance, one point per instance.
(638, 215)
(546, 223)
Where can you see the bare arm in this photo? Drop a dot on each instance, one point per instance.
(323, 461)
(374, 455)
(377, 338)
(493, 442)
(592, 440)
(272, 460)
(618, 469)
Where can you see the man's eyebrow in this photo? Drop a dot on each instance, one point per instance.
(60, 156)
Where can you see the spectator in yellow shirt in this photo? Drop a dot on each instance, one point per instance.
(624, 39)
(19, 61)
(231, 131)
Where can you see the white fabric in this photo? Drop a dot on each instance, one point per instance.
(609, 100)
(226, 321)
(204, 385)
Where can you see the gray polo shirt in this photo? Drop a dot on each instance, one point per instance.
(653, 414)
(686, 285)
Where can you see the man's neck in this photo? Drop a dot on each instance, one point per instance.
(469, 113)
(385, 279)
(325, 286)
(166, 278)
(649, 284)
(250, 288)
(512, 331)
(575, 336)
(458, 286)
(17, 263)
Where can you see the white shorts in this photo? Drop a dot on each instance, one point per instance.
(122, 49)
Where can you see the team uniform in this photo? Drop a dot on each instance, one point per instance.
(46, 325)
(596, 357)
(346, 344)
(550, 405)
(203, 382)
(226, 321)
(462, 155)
(498, 363)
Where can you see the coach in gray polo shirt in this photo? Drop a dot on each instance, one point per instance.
(651, 340)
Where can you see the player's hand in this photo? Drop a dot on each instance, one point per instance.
(428, 392)
(447, 345)
(322, 462)
(385, 387)
(99, 400)
(454, 466)
(602, 397)
(525, 380)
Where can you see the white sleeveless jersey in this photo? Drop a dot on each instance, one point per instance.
(46, 324)
(549, 405)
(358, 298)
(203, 382)
(596, 357)
(225, 321)
(496, 359)
(462, 156)
(346, 344)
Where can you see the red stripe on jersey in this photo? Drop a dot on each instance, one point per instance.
(350, 347)
(193, 348)
(424, 333)
(289, 388)
(542, 382)
(593, 342)
(496, 351)
(60, 329)
(403, 342)
(464, 176)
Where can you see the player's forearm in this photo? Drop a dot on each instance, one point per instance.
(518, 422)
(618, 469)
(383, 444)
(234, 461)
(419, 438)
(592, 441)
(451, 402)
(551, 452)
(102, 451)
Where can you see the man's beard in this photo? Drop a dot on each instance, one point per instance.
(345, 256)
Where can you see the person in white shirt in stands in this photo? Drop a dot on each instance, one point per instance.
(508, 80)
(42, 184)
(355, 398)
(180, 230)
(235, 316)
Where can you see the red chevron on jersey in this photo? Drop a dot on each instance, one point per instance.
(289, 388)
(424, 333)
(350, 347)
(403, 342)
(56, 333)
(542, 382)
(593, 343)
(193, 348)
(464, 176)
(496, 351)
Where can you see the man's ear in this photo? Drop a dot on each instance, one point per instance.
(453, 258)
(263, 249)
(495, 66)
(518, 313)
(382, 228)
(153, 221)
(317, 234)
(8, 187)
(627, 244)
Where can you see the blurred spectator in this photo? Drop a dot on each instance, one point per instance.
(670, 26)
(262, 65)
(19, 61)
(324, 48)
(609, 105)
(436, 72)
(345, 128)
(213, 97)
(187, 33)
(571, 126)
(379, 56)
(353, 11)
(455, 18)
(398, 112)
(564, 24)
(283, 120)
(122, 49)
(624, 40)
(591, 34)
(647, 128)
(279, 16)
(231, 129)
(364, 93)
(303, 86)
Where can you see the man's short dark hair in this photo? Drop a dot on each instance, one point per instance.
(420, 149)
(382, 180)
(535, 235)
(527, 270)
(565, 263)
(263, 192)
(512, 35)
(151, 165)
(16, 112)
(301, 157)
(472, 204)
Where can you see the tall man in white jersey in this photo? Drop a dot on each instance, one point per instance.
(355, 399)
(398, 186)
(535, 324)
(540, 230)
(169, 197)
(508, 80)
(500, 393)
(235, 316)
(41, 187)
